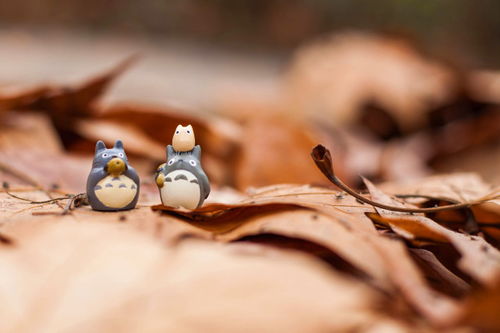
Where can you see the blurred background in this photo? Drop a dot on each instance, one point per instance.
(398, 89)
(458, 29)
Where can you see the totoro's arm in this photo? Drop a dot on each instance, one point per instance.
(159, 176)
(94, 177)
(205, 184)
(132, 174)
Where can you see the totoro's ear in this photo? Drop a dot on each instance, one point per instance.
(170, 152)
(119, 144)
(99, 146)
(189, 127)
(178, 128)
(197, 152)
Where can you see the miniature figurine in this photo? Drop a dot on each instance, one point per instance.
(112, 184)
(183, 139)
(182, 181)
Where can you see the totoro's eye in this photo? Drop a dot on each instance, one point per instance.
(192, 162)
(121, 155)
(171, 161)
(105, 155)
(177, 132)
(188, 132)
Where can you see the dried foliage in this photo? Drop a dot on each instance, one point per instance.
(276, 248)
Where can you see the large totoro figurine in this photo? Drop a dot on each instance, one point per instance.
(112, 184)
(182, 181)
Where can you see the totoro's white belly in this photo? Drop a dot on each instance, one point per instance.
(116, 192)
(180, 189)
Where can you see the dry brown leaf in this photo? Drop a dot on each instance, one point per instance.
(335, 77)
(28, 131)
(219, 218)
(46, 170)
(481, 310)
(13, 97)
(308, 214)
(460, 187)
(158, 122)
(479, 259)
(265, 205)
(320, 229)
(70, 101)
(436, 307)
(95, 277)
(134, 139)
(21, 135)
(18, 217)
(350, 239)
(442, 278)
(405, 159)
(340, 235)
(485, 86)
(488, 217)
(61, 101)
(334, 203)
(275, 150)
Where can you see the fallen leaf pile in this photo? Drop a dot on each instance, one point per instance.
(276, 247)
(287, 257)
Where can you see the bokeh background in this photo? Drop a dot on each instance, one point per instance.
(398, 89)
(463, 30)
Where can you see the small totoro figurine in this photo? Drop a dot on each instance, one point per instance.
(183, 139)
(182, 181)
(112, 184)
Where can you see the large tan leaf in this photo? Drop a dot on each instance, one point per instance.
(95, 277)
(317, 216)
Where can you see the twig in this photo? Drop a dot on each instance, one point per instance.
(5, 186)
(471, 224)
(74, 200)
(323, 160)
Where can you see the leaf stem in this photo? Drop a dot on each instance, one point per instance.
(323, 160)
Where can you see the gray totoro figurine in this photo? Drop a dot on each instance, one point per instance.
(112, 184)
(182, 181)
